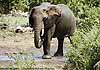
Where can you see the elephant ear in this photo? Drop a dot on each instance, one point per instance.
(32, 11)
(54, 10)
(31, 21)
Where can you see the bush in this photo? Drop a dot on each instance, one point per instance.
(86, 11)
(86, 52)
(22, 5)
(4, 6)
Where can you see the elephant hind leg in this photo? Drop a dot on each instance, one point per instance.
(60, 47)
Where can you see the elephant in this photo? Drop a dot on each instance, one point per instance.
(59, 22)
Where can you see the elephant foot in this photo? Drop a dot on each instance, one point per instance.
(58, 54)
(46, 57)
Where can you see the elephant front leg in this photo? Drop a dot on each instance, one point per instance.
(60, 47)
(46, 46)
(47, 39)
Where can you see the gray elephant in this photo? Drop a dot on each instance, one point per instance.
(58, 20)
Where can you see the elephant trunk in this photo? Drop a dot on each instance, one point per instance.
(37, 39)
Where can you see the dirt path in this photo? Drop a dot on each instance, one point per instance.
(20, 43)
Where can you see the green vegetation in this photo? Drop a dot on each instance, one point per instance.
(22, 60)
(4, 6)
(12, 20)
(86, 52)
(86, 11)
(86, 40)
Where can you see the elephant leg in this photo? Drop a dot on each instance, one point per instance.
(46, 45)
(47, 40)
(46, 48)
(60, 47)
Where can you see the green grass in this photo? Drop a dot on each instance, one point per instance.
(7, 33)
(22, 60)
(12, 20)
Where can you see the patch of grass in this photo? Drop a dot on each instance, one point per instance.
(11, 21)
(7, 33)
(14, 20)
(22, 60)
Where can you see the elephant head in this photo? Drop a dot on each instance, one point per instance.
(54, 12)
(36, 17)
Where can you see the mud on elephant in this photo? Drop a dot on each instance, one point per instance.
(58, 21)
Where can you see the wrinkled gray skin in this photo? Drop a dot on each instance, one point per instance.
(59, 23)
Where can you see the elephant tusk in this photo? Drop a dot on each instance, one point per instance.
(42, 31)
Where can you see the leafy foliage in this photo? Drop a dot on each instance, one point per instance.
(86, 11)
(19, 4)
(86, 52)
(4, 6)
(87, 39)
